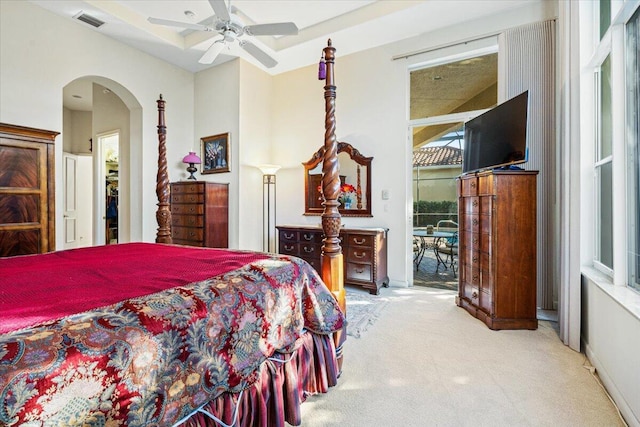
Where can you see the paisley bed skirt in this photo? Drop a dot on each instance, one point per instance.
(283, 383)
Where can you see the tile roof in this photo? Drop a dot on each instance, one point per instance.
(437, 156)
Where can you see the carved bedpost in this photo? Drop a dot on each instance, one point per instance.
(163, 214)
(332, 261)
(332, 264)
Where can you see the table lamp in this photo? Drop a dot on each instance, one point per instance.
(192, 159)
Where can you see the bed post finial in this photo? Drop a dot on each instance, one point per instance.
(163, 214)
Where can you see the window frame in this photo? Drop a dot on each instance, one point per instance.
(612, 44)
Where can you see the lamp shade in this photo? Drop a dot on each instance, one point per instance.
(191, 158)
(269, 169)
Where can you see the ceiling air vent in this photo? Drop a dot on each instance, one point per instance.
(88, 19)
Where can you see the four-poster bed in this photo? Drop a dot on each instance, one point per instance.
(144, 334)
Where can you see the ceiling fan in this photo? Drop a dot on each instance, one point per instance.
(230, 27)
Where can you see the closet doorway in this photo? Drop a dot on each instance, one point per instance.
(109, 164)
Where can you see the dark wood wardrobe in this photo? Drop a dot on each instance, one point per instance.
(27, 190)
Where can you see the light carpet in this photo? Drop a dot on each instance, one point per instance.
(363, 309)
(427, 362)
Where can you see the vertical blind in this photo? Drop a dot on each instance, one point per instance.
(527, 61)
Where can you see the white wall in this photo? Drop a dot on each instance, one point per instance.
(217, 110)
(77, 131)
(40, 53)
(256, 97)
(611, 337)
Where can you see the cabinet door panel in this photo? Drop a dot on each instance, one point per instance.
(310, 236)
(187, 220)
(187, 209)
(183, 188)
(289, 248)
(288, 236)
(470, 186)
(188, 198)
(360, 240)
(20, 242)
(310, 250)
(187, 233)
(360, 272)
(358, 254)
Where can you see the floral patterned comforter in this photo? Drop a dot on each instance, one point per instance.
(151, 360)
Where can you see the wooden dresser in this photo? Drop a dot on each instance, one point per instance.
(200, 214)
(497, 248)
(27, 190)
(364, 251)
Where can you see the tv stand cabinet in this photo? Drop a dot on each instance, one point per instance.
(497, 248)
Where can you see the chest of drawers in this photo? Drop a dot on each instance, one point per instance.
(364, 252)
(497, 248)
(200, 214)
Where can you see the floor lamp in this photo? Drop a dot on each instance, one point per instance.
(269, 207)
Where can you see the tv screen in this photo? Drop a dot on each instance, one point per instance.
(497, 138)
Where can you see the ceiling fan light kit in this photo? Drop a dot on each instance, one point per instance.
(231, 28)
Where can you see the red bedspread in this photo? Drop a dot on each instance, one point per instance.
(151, 359)
(34, 289)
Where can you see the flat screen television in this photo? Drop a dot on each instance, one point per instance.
(498, 137)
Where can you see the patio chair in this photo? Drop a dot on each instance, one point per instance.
(448, 248)
(446, 225)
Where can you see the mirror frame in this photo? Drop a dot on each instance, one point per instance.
(355, 155)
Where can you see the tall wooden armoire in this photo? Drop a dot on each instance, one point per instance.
(27, 190)
(497, 247)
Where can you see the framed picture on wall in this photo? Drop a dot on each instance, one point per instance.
(215, 153)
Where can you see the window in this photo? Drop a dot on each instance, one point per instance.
(603, 167)
(633, 148)
(616, 161)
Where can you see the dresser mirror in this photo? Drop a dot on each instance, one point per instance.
(355, 182)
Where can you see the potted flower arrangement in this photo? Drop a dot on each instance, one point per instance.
(345, 198)
(346, 195)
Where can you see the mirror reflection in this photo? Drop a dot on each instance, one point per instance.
(355, 182)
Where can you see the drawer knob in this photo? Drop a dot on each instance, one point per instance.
(309, 250)
(475, 241)
(474, 294)
(359, 256)
(475, 277)
(473, 184)
(474, 259)
(358, 241)
(475, 203)
(475, 221)
(359, 270)
(288, 248)
(307, 236)
(288, 236)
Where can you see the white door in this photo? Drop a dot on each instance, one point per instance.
(70, 173)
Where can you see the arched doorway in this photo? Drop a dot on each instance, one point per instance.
(94, 106)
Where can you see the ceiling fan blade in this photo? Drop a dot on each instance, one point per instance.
(261, 56)
(275, 29)
(212, 53)
(178, 24)
(220, 9)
